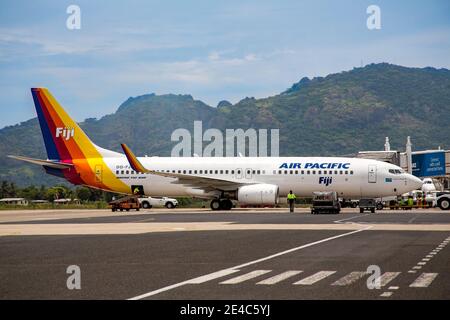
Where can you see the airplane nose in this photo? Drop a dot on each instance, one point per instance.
(414, 182)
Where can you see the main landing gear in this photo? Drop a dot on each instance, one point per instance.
(221, 204)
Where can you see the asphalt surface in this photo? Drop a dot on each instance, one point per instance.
(228, 264)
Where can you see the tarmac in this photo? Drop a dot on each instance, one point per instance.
(238, 254)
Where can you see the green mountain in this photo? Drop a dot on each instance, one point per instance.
(334, 115)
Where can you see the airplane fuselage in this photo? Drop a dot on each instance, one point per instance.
(349, 177)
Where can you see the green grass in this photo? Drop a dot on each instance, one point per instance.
(43, 206)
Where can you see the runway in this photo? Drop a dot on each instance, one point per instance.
(242, 254)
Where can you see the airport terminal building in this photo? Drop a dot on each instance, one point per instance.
(433, 164)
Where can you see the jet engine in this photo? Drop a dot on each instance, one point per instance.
(258, 194)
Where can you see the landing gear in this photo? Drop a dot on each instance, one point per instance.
(222, 204)
(226, 204)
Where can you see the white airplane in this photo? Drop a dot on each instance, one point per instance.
(428, 185)
(249, 180)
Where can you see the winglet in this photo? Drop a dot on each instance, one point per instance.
(134, 162)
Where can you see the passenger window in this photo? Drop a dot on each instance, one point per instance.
(307, 172)
(239, 171)
(253, 172)
(232, 171)
(303, 171)
(184, 171)
(258, 172)
(127, 172)
(226, 171)
(335, 172)
(190, 171)
(314, 172)
(279, 171)
(340, 172)
(296, 171)
(320, 172)
(285, 171)
(221, 171)
(274, 171)
(346, 172)
(351, 172)
(195, 171)
(117, 171)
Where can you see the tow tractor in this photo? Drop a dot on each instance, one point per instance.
(443, 200)
(126, 203)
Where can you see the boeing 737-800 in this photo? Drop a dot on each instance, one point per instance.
(249, 180)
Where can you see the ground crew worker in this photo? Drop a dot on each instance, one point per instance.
(410, 201)
(291, 199)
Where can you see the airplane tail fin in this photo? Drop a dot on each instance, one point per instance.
(64, 139)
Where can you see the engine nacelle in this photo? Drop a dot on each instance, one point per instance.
(258, 194)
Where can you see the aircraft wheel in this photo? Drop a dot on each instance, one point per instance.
(226, 204)
(215, 205)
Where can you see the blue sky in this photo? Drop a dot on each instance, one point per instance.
(214, 50)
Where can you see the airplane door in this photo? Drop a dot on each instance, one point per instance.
(238, 173)
(98, 173)
(248, 173)
(372, 173)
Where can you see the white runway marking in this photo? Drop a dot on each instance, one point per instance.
(350, 278)
(280, 277)
(393, 288)
(212, 276)
(346, 219)
(386, 294)
(314, 278)
(176, 285)
(417, 267)
(387, 277)
(245, 277)
(422, 263)
(424, 280)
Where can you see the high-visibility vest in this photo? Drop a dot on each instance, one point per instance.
(291, 196)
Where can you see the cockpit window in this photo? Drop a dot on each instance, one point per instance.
(395, 171)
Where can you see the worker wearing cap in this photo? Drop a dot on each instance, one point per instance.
(291, 199)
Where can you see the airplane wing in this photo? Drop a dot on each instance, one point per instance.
(196, 182)
(47, 163)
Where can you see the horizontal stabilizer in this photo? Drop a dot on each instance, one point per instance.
(47, 163)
